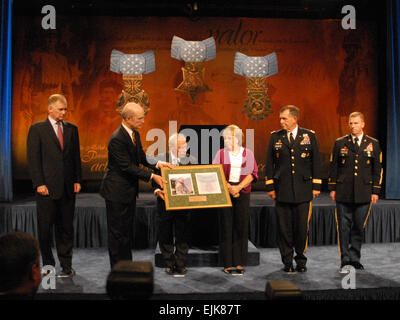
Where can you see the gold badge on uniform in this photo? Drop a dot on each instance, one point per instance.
(303, 155)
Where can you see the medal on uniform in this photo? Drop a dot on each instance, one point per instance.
(306, 139)
(369, 149)
(303, 155)
(278, 145)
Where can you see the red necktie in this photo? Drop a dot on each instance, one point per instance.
(60, 135)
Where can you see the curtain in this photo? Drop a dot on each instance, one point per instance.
(5, 101)
(393, 107)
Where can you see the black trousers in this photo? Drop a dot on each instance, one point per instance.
(234, 231)
(293, 221)
(351, 219)
(60, 214)
(120, 230)
(173, 232)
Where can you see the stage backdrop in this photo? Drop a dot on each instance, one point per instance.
(326, 71)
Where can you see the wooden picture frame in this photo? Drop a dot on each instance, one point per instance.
(195, 187)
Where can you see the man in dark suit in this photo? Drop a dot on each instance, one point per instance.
(120, 185)
(55, 166)
(355, 180)
(293, 179)
(174, 224)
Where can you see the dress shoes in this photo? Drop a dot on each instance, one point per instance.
(289, 269)
(240, 271)
(357, 265)
(301, 269)
(227, 270)
(67, 273)
(169, 271)
(180, 271)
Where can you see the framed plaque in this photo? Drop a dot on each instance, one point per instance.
(193, 187)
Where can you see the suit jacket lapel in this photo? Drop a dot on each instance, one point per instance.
(285, 139)
(67, 135)
(125, 134)
(132, 148)
(299, 136)
(52, 134)
(297, 140)
(363, 144)
(349, 143)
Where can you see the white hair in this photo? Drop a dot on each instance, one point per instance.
(174, 138)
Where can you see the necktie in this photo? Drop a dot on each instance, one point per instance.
(133, 138)
(291, 139)
(356, 146)
(60, 135)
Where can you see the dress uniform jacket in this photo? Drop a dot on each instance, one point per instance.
(355, 175)
(293, 171)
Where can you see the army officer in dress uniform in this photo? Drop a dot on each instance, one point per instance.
(293, 179)
(355, 179)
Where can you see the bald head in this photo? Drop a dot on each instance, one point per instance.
(132, 115)
(131, 109)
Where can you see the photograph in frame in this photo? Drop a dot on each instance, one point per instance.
(181, 184)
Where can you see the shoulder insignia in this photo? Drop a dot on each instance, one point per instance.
(376, 140)
(309, 130)
(341, 138)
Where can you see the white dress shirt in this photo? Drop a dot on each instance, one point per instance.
(174, 160)
(359, 138)
(294, 132)
(130, 132)
(55, 126)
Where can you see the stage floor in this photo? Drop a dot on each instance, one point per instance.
(90, 223)
(381, 261)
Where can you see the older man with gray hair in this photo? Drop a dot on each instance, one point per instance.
(120, 185)
(174, 225)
